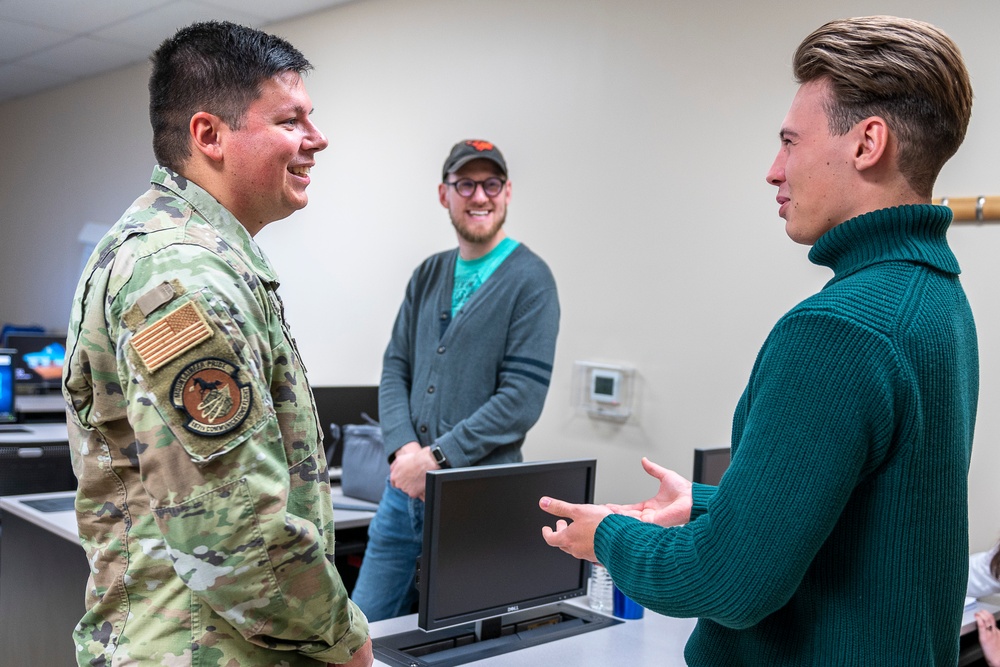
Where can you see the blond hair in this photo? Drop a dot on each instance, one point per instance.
(907, 72)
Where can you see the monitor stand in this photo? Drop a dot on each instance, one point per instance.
(483, 639)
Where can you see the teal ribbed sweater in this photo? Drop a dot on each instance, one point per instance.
(839, 534)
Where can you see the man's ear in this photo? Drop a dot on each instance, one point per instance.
(206, 134)
(873, 142)
(443, 194)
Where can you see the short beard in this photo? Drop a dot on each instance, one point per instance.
(470, 237)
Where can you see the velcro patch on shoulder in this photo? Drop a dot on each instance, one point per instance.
(208, 391)
(172, 336)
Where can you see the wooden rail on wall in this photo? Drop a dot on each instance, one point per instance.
(972, 209)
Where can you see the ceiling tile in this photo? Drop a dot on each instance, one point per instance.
(47, 43)
(85, 56)
(274, 11)
(149, 29)
(20, 39)
(77, 16)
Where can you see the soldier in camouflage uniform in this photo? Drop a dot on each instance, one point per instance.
(204, 501)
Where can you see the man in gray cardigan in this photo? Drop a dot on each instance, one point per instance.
(467, 369)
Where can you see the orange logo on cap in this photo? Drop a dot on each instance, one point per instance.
(480, 145)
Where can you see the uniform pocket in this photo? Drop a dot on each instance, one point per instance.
(217, 548)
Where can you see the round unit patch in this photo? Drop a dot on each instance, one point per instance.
(208, 392)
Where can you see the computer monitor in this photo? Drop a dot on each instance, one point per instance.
(7, 411)
(39, 361)
(710, 465)
(488, 582)
(342, 405)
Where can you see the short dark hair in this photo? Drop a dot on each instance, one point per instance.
(908, 72)
(215, 66)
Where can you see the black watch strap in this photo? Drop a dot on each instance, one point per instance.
(439, 456)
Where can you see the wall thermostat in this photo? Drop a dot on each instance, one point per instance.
(605, 386)
(604, 391)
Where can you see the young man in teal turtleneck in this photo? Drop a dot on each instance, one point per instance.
(466, 371)
(839, 534)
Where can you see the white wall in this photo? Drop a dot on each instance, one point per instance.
(638, 134)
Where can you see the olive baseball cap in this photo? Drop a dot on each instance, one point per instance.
(472, 149)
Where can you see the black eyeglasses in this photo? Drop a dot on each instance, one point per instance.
(467, 187)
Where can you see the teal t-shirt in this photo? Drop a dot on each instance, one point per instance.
(470, 274)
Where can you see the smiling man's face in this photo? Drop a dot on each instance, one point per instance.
(478, 219)
(267, 160)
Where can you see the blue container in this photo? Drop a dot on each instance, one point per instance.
(625, 607)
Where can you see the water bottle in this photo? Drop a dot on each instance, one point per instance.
(626, 607)
(601, 591)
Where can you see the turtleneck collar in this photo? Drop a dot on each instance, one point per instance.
(914, 233)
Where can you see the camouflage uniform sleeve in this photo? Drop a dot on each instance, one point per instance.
(237, 486)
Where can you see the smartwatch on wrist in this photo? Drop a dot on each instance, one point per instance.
(439, 457)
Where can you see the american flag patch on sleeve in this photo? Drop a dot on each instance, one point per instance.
(171, 337)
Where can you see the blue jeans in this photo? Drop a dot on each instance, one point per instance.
(386, 586)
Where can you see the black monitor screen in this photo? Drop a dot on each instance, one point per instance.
(342, 405)
(7, 414)
(710, 465)
(483, 552)
(39, 360)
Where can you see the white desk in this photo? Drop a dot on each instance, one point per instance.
(46, 404)
(652, 640)
(63, 523)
